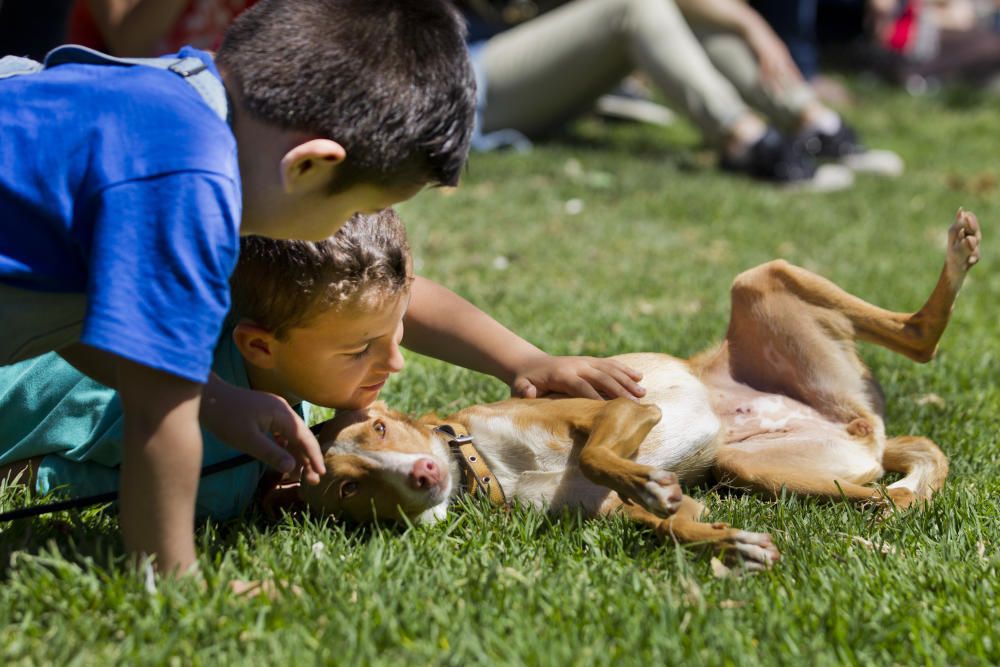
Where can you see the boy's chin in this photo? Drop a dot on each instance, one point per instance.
(361, 403)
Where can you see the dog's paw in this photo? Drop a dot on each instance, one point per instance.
(900, 498)
(752, 551)
(964, 237)
(660, 494)
(886, 503)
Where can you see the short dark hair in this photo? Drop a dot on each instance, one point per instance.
(390, 80)
(280, 285)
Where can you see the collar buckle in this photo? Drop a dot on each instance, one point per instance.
(478, 477)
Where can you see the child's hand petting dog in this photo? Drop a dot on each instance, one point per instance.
(264, 426)
(585, 377)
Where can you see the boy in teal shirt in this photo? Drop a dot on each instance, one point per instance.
(123, 194)
(314, 323)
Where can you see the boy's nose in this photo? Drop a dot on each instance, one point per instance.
(394, 361)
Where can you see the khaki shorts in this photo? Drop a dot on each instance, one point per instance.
(33, 322)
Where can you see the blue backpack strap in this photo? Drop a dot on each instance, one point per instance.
(15, 65)
(191, 69)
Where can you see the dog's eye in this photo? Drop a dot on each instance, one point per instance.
(379, 428)
(348, 489)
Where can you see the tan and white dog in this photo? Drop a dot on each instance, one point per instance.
(784, 402)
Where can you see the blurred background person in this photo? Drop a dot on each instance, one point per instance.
(539, 66)
(151, 27)
(917, 43)
(128, 28)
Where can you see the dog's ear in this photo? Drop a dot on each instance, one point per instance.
(430, 419)
(281, 498)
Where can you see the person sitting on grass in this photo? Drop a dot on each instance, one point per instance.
(313, 323)
(124, 190)
(717, 60)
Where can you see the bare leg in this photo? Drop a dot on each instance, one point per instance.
(755, 551)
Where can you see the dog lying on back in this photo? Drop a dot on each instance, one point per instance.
(784, 402)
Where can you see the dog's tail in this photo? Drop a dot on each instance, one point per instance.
(923, 463)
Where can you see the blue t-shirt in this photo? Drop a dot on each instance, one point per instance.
(122, 183)
(52, 410)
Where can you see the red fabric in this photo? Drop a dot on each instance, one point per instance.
(82, 28)
(201, 25)
(902, 30)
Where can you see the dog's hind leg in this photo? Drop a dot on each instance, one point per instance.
(801, 468)
(615, 435)
(793, 332)
(924, 464)
(755, 551)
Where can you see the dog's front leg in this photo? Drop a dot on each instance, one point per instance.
(615, 435)
(754, 551)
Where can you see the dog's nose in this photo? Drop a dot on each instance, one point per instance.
(425, 474)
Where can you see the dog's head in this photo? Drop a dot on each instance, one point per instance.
(381, 464)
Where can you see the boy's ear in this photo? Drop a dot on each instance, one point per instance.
(255, 343)
(310, 165)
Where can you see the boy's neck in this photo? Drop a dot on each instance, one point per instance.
(260, 379)
(260, 148)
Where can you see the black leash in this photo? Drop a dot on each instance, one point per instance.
(102, 498)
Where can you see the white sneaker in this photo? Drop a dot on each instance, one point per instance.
(828, 178)
(874, 161)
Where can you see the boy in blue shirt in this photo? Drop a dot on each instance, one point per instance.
(314, 323)
(123, 195)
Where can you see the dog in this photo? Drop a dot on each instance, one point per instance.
(783, 403)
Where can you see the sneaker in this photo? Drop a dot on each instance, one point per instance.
(844, 147)
(833, 146)
(785, 162)
(632, 101)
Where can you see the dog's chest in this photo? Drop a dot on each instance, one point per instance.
(512, 448)
(535, 464)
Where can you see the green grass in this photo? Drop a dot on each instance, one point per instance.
(646, 265)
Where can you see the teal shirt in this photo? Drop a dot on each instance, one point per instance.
(48, 408)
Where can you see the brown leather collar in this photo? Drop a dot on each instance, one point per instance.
(477, 475)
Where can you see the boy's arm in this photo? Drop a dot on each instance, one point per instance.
(262, 425)
(441, 324)
(161, 460)
(259, 424)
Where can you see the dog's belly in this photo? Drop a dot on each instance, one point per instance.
(764, 416)
(685, 440)
(756, 422)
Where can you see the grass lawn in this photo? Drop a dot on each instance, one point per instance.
(645, 265)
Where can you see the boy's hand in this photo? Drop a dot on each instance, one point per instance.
(586, 377)
(262, 425)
